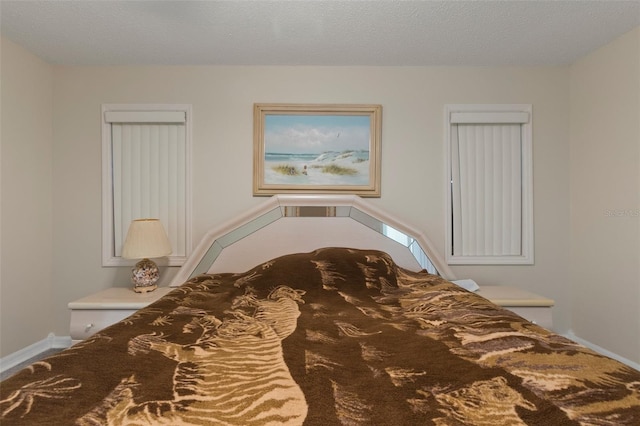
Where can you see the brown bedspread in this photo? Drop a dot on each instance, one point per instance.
(336, 336)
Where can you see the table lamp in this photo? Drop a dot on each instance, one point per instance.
(145, 238)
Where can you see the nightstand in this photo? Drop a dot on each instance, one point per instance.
(97, 311)
(530, 306)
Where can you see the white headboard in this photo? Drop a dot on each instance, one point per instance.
(286, 224)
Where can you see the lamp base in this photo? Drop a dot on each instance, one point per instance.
(144, 275)
(145, 288)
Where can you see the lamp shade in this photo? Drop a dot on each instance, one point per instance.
(146, 238)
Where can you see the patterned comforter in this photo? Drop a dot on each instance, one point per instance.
(336, 336)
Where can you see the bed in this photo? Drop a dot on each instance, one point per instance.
(355, 322)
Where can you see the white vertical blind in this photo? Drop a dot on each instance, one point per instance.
(149, 177)
(486, 189)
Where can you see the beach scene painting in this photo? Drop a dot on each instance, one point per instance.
(304, 150)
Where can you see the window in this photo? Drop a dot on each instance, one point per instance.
(489, 184)
(146, 174)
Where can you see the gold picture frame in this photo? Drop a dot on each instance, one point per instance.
(317, 148)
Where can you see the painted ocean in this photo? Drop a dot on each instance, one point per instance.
(349, 167)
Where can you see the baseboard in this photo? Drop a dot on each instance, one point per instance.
(50, 342)
(600, 350)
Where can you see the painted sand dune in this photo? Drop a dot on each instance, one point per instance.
(328, 168)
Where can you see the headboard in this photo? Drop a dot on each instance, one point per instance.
(286, 224)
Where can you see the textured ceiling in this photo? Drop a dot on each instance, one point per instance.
(320, 32)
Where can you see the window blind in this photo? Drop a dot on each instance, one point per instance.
(486, 189)
(149, 176)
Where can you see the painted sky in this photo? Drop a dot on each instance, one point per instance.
(311, 134)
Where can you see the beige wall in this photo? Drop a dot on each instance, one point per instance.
(605, 196)
(222, 99)
(26, 199)
(412, 168)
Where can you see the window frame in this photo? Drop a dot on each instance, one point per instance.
(109, 258)
(527, 225)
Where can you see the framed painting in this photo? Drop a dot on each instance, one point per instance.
(310, 148)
